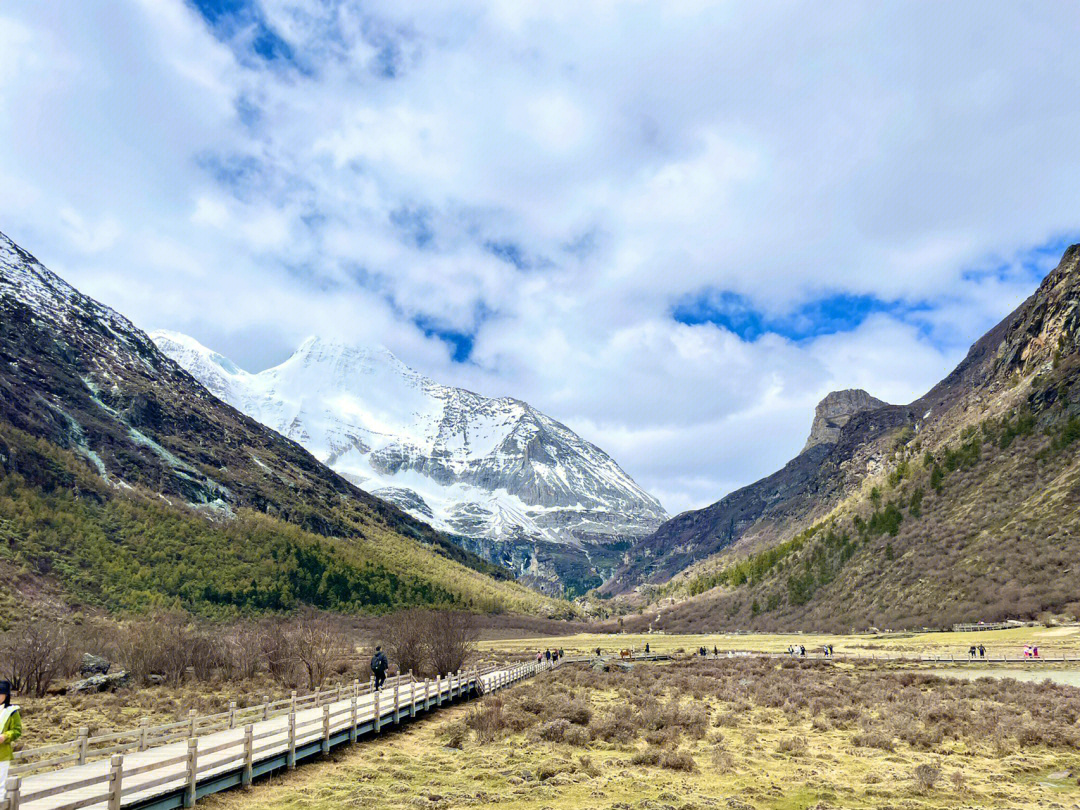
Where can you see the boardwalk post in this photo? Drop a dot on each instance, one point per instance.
(249, 754)
(144, 730)
(192, 771)
(232, 714)
(292, 702)
(427, 693)
(378, 716)
(192, 715)
(356, 687)
(352, 719)
(326, 728)
(84, 742)
(438, 690)
(412, 695)
(290, 759)
(116, 775)
(397, 700)
(266, 707)
(12, 786)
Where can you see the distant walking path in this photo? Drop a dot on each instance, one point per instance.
(171, 766)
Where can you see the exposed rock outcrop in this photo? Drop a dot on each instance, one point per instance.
(834, 411)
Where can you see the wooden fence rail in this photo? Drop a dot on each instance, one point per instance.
(174, 764)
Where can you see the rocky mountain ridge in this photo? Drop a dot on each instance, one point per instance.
(959, 506)
(519, 487)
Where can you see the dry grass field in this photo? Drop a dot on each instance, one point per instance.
(727, 734)
(1052, 641)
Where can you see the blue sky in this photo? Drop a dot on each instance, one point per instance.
(673, 226)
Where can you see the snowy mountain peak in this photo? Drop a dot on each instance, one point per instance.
(523, 487)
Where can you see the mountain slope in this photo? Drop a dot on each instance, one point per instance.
(81, 378)
(962, 506)
(521, 488)
(805, 485)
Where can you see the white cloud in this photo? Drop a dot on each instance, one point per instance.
(628, 154)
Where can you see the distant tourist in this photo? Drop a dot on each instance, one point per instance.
(539, 657)
(1035, 651)
(379, 665)
(646, 648)
(10, 731)
(547, 656)
(971, 651)
(982, 651)
(715, 652)
(597, 652)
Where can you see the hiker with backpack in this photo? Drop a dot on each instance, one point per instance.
(379, 665)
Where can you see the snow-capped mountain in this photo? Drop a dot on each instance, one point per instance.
(523, 489)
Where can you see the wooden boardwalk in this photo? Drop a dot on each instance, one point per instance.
(174, 765)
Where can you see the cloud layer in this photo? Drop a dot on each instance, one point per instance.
(674, 226)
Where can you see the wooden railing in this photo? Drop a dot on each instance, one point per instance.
(63, 777)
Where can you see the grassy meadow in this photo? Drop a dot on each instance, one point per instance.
(744, 734)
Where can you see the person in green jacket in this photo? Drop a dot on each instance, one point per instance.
(10, 731)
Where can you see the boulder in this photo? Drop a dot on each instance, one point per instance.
(94, 665)
(101, 683)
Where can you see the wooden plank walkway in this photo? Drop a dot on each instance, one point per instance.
(177, 773)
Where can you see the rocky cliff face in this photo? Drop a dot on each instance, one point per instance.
(514, 484)
(834, 411)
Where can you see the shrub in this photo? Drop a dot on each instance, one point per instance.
(576, 735)
(487, 719)
(456, 734)
(874, 739)
(926, 776)
(554, 730)
(678, 761)
(648, 756)
(796, 746)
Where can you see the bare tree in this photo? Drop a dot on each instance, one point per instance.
(405, 637)
(243, 642)
(34, 652)
(165, 645)
(318, 645)
(278, 650)
(451, 639)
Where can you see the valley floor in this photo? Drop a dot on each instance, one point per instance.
(1052, 641)
(741, 734)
